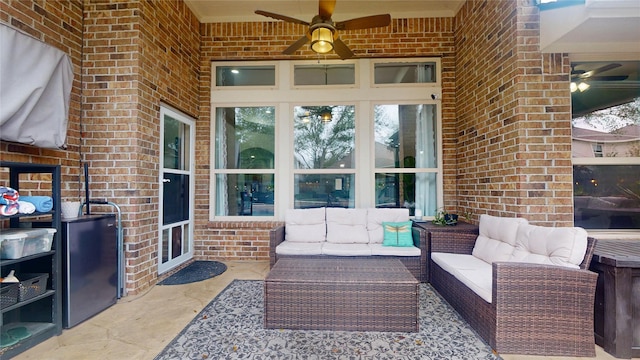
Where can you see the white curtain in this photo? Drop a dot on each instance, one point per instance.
(426, 158)
(222, 186)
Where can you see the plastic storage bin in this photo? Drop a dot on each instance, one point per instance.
(17, 243)
(11, 245)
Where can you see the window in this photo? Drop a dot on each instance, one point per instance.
(323, 156)
(405, 153)
(324, 74)
(597, 150)
(244, 161)
(325, 134)
(606, 158)
(250, 75)
(405, 72)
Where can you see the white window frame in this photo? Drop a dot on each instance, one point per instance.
(364, 95)
(293, 64)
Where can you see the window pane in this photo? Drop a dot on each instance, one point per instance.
(405, 136)
(165, 245)
(246, 75)
(245, 138)
(324, 137)
(412, 191)
(319, 74)
(175, 198)
(244, 194)
(176, 144)
(610, 133)
(176, 241)
(330, 190)
(405, 73)
(606, 196)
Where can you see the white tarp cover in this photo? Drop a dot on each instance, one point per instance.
(35, 90)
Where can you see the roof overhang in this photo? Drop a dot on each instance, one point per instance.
(218, 11)
(591, 27)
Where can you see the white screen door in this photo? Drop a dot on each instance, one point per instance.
(175, 241)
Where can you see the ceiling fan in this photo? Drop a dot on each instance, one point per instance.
(580, 78)
(581, 75)
(323, 31)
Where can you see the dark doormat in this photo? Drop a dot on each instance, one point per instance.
(194, 272)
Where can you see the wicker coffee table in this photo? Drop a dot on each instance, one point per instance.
(359, 294)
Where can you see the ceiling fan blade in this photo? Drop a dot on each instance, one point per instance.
(325, 8)
(342, 49)
(296, 45)
(364, 22)
(281, 17)
(596, 71)
(609, 78)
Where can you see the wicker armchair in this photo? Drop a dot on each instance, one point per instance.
(535, 309)
(417, 265)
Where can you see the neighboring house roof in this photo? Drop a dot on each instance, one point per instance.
(627, 133)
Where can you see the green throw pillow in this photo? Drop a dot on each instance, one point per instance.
(397, 234)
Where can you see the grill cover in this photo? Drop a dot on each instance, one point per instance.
(35, 90)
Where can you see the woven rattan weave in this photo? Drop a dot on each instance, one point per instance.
(359, 294)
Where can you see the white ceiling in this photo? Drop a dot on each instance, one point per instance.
(208, 11)
(603, 27)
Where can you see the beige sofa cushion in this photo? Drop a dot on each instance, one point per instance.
(497, 238)
(347, 226)
(375, 217)
(564, 246)
(475, 273)
(341, 249)
(305, 225)
(299, 248)
(379, 249)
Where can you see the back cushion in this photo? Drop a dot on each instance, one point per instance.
(375, 218)
(347, 226)
(564, 246)
(305, 225)
(497, 238)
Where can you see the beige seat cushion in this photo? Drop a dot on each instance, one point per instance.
(471, 271)
(299, 248)
(341, 249)
(378, 249)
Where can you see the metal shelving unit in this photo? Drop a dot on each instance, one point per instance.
(42, 314)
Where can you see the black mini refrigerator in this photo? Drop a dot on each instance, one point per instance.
(89, 267)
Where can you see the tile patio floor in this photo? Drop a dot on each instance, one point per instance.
(139, 327)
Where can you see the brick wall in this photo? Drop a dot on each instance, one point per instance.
(58, 23)
(513, 116)
(266, 40)
(137, 54)
(128, 56)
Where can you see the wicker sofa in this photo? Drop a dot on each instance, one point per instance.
(527, 301)
(337, 232)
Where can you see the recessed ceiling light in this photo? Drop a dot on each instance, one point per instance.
(234, 71)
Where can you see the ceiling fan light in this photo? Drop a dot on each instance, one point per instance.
(326, 116)
(573, 87)
(322, 40)
(583, 86)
